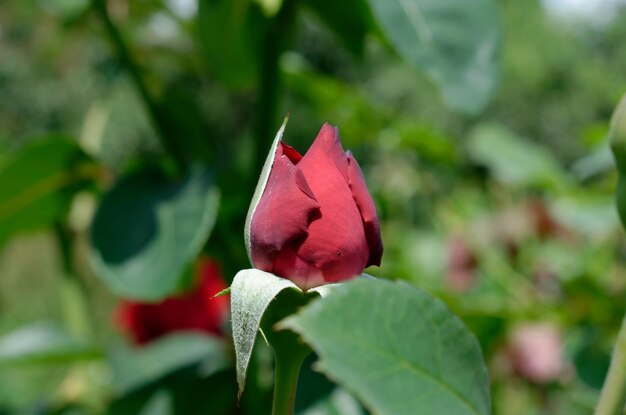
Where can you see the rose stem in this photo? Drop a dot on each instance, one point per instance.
(289, 350)
(613, 396)
(287, 371)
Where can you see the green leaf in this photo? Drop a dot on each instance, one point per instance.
(42, 343)
(396, 348)
(148, 229)
(349, 19)
(513, 160)
(260, 187)
(135, 367)
(38, 184)
(251, 293)
(456, 42)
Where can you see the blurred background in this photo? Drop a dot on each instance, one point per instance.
(132, 133)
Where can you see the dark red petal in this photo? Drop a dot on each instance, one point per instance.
(136, 320)
(284, 212)
(336, 241)
(366, 206)
(290, 152)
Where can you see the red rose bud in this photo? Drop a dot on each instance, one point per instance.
(312, 219)
(196, 310)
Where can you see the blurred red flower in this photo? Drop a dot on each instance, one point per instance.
(195, 310)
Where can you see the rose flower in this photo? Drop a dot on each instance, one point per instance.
(195, 310)
(315, 222)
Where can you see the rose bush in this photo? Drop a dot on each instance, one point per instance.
(316, 222)
(195, 310)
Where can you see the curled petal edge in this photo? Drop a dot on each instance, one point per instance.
(366, 206)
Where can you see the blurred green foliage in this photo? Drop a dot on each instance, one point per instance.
(507, 214)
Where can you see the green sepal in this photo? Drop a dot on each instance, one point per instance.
(260, 187)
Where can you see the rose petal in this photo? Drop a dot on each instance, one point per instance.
(284, 212)
(290, 152)
(366, 206)
(326, 148)
(336, 242)
(303, 273)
